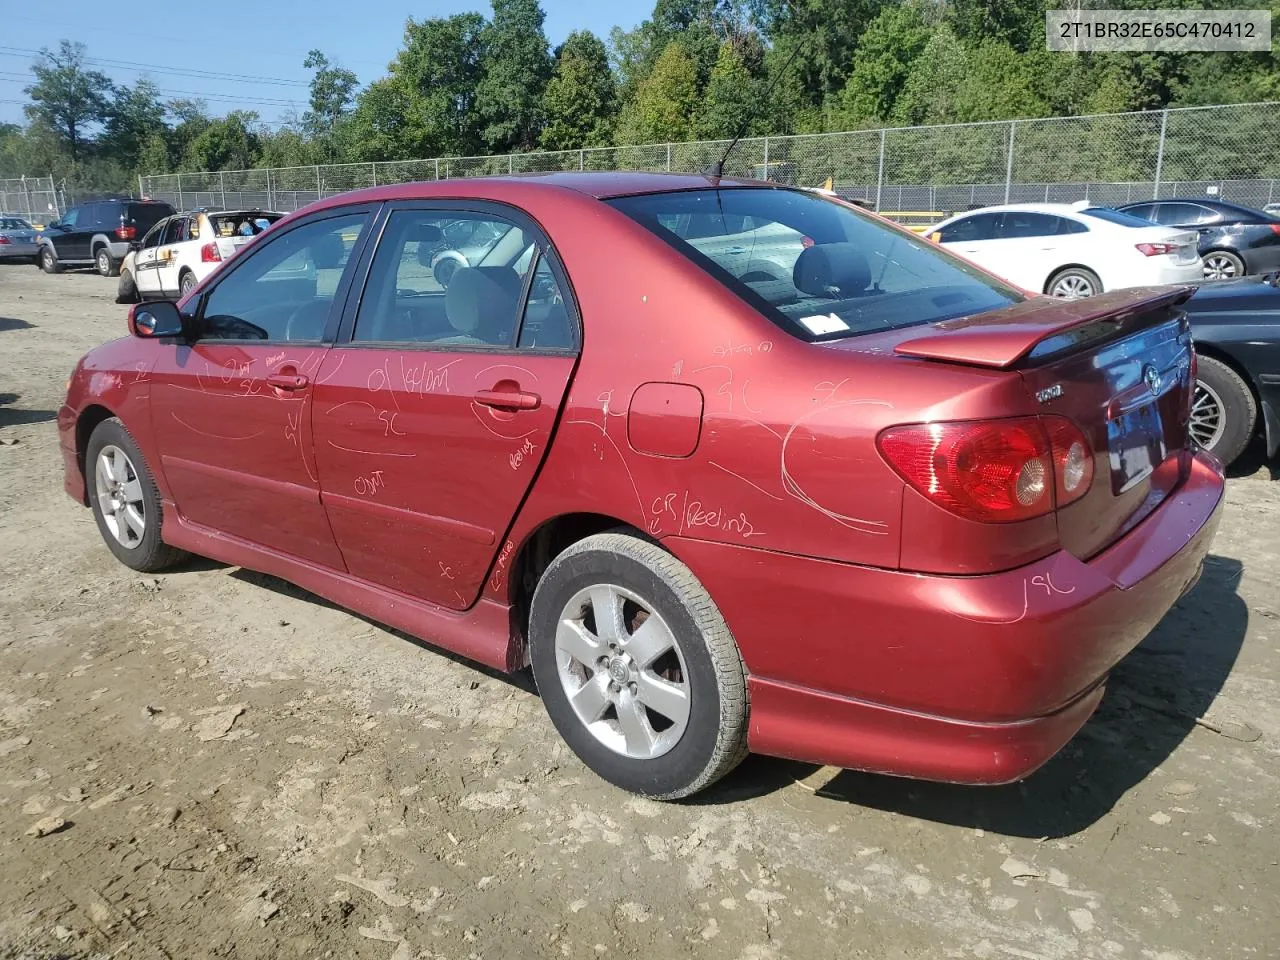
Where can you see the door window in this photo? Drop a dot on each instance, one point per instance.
(152, 239)
(444, 278)
(1177, 213)
(1146, 211)
(1019, 224)
(981, 226)
(72, 217)
(284, 290)
(176, 231)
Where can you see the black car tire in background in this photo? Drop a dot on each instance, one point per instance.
(107, 266)
(1224, 413)
(1223, 265)
(126, 289)
(49, 261)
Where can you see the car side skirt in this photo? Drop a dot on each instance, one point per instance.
(482, 633)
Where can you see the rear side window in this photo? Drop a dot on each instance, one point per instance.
(14, 223)
(1015, 224)
(1145, 211)
(819, 269)
(146, 215)
(247, 224)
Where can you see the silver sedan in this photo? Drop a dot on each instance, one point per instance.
(17, 238)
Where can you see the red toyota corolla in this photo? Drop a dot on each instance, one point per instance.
(733, 466)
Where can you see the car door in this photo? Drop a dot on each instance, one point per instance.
(232, 410)
(177, 231)
(973, 237)
(71, 236)
(435, 408)
(146, 264)
(1032, 246)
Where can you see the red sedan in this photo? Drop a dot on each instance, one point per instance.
(732, 466)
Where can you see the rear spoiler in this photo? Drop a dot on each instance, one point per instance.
(1040, 325)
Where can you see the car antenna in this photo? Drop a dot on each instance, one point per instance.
(717, 168)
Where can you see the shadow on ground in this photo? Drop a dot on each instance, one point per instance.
(11, 416)
(1153, 699)
(12, 323)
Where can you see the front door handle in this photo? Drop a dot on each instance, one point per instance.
(288, 381)
(508, 399)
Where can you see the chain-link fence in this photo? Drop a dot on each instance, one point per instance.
(34, 198)
(907, 172)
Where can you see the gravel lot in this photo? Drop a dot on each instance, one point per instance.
(244, 770)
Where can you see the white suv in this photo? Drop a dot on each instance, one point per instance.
(181, 250)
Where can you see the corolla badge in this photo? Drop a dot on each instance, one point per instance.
(1152, 376)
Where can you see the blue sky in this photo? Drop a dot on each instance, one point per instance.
(222, 38)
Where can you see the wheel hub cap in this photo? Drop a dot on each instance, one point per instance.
(619, 671)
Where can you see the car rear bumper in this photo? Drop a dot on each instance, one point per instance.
(967, 679)
(1166, 273)
(14, 250)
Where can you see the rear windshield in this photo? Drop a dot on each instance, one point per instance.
(242, 224)
(1116, 216)
(147, 215)
(14, 223)
(818, 269)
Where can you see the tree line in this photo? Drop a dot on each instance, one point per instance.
(695, 69)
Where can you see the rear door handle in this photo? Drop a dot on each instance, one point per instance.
(508, 399)
(287, 381)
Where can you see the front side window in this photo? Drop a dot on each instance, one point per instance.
(445, 278)
(284, 290)
(72, 217)
(833, 271)
(175, 231)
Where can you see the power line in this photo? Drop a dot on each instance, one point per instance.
(23, 52)
(225, 98)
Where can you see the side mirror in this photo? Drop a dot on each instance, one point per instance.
(154, 319)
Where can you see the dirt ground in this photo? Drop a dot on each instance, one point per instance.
(245, 771)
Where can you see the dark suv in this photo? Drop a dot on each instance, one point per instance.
(98, 233)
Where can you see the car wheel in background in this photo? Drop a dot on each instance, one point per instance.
(1073, 283)
(187, 283)
(1224, 414)
(637, 668)
(107, 267)
(126, 289)
(1222, 265)
(49, 261)
(125, 501)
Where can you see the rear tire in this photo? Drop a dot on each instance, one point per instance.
(186, 283)
(1073, 283)
(126, 290)
(125, 501)
(49, 261)
(1223, 265)
(637, 668)
(1224, 414)
(106, 264)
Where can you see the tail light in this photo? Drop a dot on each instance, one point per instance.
(806, 242)
(126, 231)
(209, 253)
(993, 471)
(1275, 227)
(4, 240)
(1156, 249)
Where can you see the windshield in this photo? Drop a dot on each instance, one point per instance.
(1115, 216)
(818, 269)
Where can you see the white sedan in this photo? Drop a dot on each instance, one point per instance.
(1071, 251)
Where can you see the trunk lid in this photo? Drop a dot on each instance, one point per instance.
(1119, 366)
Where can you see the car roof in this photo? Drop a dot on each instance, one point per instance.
(1054, 208)
(602, 185)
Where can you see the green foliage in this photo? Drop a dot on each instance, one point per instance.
(665, 101)
(332, 95)
(228, 143)
(516, 67)
(731, 99)
(580, 105)
(886, 50)
(134, 115)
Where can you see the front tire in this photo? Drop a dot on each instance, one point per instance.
(1223, 265)
(107, 266)
(1073, 283)
(1224, 414)
(49, 261)
(125, 501)
(637, 668)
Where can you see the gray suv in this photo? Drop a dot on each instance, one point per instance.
(98, 233)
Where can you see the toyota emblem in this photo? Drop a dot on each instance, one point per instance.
(1152, 376)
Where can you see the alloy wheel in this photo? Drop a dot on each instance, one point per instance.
(1219, 267)
(623, 672)
(104, 262)
(119, 495)
(1208, 417)
(1072, 287)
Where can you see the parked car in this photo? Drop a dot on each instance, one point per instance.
(898, 516)
(181, 250)
(1070, 251)
(1236, 325)
(17, 238)
(1235, 241)
(98, 233)
(1272, 208)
